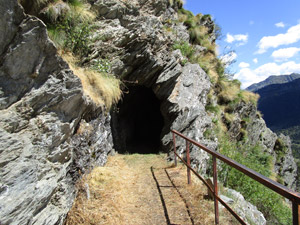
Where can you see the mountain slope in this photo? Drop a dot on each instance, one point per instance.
(282, 79)
(280, 106)
(53, 127)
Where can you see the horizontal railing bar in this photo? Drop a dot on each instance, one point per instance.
(279, 188)
(212, 191)
(231, 210)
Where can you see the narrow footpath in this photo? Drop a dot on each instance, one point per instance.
(141, 190)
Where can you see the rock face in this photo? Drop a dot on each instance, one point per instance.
(258, 132)
(245, 210)
(50, 133)
(134, 36)
(42, 107)
(279, 103)
(284, 99)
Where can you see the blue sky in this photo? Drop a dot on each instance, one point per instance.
(265, 35)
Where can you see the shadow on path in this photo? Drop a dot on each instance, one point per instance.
(161, 198)
(183, 199)
(163, 201)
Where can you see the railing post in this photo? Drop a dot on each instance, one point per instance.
(215, 177)
(188, 161)
(174, 143)
(296, 213)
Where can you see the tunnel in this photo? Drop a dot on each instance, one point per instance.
(137, 122)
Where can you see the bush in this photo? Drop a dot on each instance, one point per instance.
(212, 108)
(268, 202)
(280, 149)
(77, 36)
(186, 49)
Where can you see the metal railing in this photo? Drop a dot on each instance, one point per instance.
(293, 196)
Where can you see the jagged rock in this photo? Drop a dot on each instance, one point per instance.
(187, 106)
(244, 209)
(286, 166)
(50, 133)
(226, 199)
(42, 104)
(141, 49)
(259, 133)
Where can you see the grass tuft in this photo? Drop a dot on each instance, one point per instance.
(102, 88)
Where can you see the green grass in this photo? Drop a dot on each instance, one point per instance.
(185, 48)
(271, 204)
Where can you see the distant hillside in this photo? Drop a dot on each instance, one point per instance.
(280, 105)
(282, 79)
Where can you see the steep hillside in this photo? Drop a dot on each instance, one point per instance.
(61, 112)
(281, 79)
(280, 105)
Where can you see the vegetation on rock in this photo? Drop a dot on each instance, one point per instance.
(70, 26)
(271, 204)
(223, 101)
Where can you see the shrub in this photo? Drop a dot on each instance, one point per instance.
(280, 149)
(268, 202)
(77, 36)
(212, 108)
(183, 11)
(101, 65)
(186, 49)
(72, 28)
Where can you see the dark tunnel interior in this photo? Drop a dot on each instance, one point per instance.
(137, 122)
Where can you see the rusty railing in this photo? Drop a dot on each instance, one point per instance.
(293, 196)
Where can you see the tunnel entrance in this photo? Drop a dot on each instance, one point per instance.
(137, 122)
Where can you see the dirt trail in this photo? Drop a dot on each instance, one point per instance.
(141, 190)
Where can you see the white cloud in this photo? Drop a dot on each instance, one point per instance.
(290, 37)
(241, 38)
(255, 60)
(285, 53)
(280, 24)
(251, 22)
(228, 58)
(244, 65)
(248, 76)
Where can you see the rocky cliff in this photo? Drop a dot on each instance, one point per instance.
(51, 132)
(284, 99)
(279, 103)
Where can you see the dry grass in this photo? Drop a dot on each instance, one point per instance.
(207, 62)
(112, 200)
(83, 12)
(125, 192)
(196, 195)
(102, 207)
(229, 91)
(102, 88)
(250, 96)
